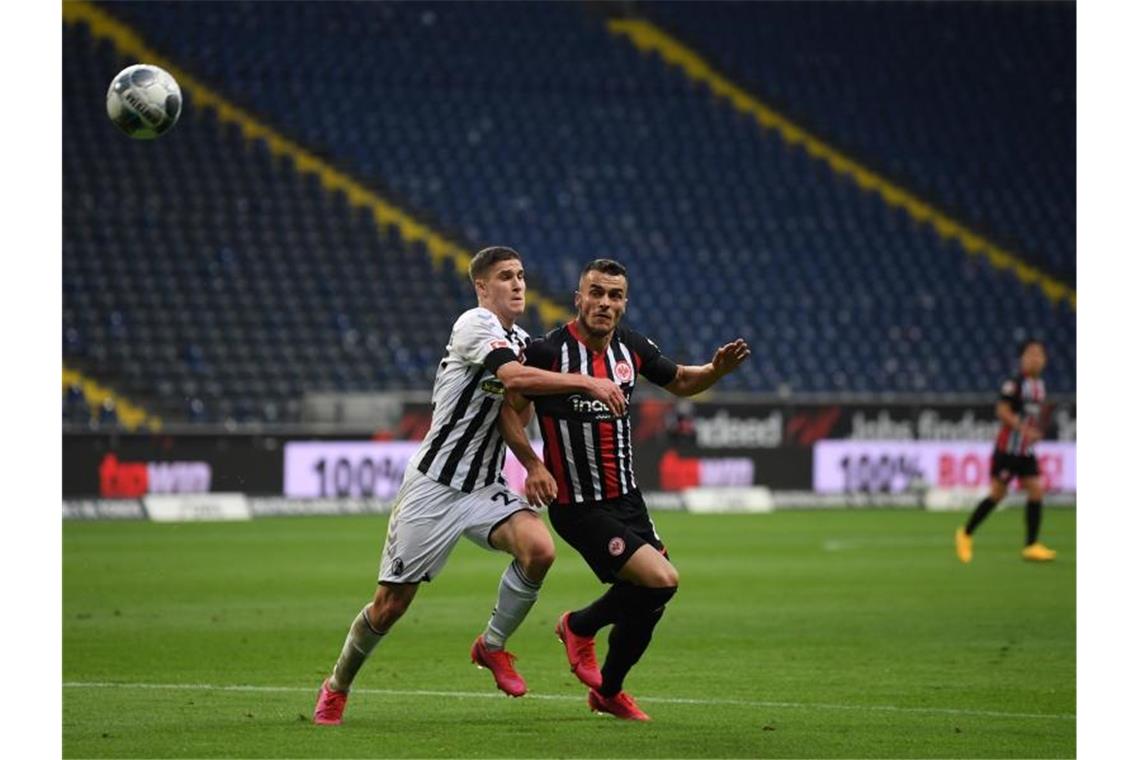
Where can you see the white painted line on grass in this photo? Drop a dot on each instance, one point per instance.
(570, 698)
(844, 544)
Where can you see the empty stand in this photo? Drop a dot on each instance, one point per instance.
(972, 104)
(213, 279)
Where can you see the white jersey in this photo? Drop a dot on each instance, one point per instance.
(464, 449)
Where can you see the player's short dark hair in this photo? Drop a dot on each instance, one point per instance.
(1024, 345)
(482, 262)
(605, 266)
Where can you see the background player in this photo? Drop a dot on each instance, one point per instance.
(598, 508)
(1020, 410)
(453, 485)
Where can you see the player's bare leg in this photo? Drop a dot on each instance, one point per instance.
(963, 537)
(388, 605)
(650, 568)
(525, 537)
(1034, 550)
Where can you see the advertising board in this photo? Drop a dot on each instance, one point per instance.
(846, 466)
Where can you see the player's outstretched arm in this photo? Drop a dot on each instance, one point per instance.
(693, 379)
(539, 382)
(541, 487)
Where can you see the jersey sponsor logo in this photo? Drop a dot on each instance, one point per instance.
(492, 385)
(616, 546)
(588, 406)
(623, 372)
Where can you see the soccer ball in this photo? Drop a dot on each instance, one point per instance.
(144, 101)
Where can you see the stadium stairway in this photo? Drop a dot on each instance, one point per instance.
(87, 403)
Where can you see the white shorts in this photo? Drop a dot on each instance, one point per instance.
(428, 518)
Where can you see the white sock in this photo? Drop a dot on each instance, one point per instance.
(517, 594)
(359, 643)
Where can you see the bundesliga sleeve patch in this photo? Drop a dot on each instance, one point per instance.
(1009, 388)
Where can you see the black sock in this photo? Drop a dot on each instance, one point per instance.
(628, 641)
(1032, 521)
(606, 609)
(985, 506)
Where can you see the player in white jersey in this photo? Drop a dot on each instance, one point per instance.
(453, 486)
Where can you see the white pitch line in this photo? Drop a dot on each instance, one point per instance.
(843, 544)
(569, 698)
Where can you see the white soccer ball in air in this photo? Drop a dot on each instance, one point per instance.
(144, 101)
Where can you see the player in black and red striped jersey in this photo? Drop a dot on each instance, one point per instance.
(598, 508)
(1021, 410)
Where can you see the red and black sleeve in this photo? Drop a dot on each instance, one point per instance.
(653, 365)
(1011, 393)
(544, 353)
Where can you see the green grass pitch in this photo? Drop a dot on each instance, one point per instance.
(795, 634)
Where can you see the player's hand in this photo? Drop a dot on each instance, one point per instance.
(730, 356)
(609, 393)
(541, 487)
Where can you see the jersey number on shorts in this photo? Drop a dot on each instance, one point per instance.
(505, 497)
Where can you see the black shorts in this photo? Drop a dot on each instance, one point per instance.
(1006, 467)
(606, 533)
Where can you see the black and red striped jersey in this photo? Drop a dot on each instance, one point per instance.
(587, 449)
(1026, 397)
